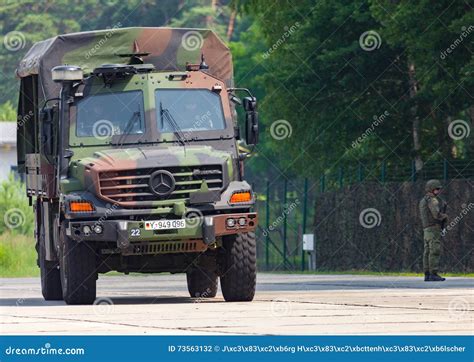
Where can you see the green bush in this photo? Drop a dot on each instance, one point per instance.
(17, 215)
(7, 112)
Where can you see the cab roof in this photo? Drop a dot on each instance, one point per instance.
(166, 48)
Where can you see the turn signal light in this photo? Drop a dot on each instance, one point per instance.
(81, 206)
(239, 197)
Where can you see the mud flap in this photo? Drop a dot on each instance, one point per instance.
(208, 231)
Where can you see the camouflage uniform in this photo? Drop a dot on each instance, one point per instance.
(431, 207)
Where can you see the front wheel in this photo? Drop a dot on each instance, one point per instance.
(78, 271)
(202, 283)
(50, 276)
(239, 275)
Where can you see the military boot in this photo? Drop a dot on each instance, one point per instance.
(427, 277)
(436, 278)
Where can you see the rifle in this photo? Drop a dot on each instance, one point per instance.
(443, 223)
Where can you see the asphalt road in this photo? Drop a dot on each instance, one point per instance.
(284, 304)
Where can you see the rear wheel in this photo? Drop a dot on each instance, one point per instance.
(202, 283)
(239, 276)
(78, 271)
(49, 270)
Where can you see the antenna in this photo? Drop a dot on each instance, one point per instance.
(203, 64)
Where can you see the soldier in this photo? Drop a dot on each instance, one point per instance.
(432, 210)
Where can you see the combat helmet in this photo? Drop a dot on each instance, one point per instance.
(432, 185)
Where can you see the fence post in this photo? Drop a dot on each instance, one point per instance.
(360, 174)
(341, 177)
(285, 190)
(322, 183)
(384, 170)
(445, 170)
(267, 223)
(413, 171)
(305, 210)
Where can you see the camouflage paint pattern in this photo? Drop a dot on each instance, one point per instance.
(115, 177)
(432, 249)
(169, 49)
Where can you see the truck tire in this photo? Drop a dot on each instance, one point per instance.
(202, 283)
(50, 275)
(78, 271)
(239, 276)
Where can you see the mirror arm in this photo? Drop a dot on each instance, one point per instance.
(230, 90)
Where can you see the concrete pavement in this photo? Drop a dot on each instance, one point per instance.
(284, 304)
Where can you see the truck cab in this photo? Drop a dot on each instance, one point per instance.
(133, 168)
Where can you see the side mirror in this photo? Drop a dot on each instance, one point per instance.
(250, 104)
(251, 120)
(47, 138)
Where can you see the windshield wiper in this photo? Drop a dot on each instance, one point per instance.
(130, 123)
(165, 114)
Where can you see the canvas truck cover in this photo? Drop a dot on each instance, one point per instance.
(167, 48)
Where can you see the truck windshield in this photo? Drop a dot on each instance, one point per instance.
(105, 115)
(193, 110)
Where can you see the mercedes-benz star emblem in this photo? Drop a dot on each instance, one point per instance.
(162, 183)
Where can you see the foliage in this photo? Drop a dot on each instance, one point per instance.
(7, 112)
(17, 215)
(318, 78)
(330, 89)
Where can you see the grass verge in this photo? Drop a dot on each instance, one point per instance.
(17, 256)
(18, 259)
(367, 272)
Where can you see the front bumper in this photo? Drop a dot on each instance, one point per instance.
(127, 233)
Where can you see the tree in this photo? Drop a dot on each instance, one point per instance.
(351, 88)
(439, 52)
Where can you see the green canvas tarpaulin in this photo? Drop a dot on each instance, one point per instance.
(167, 48)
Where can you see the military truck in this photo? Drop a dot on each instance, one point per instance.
(129, 142)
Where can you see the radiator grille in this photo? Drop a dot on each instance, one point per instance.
(130, 188)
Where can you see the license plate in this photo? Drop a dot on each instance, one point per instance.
(165, 224)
